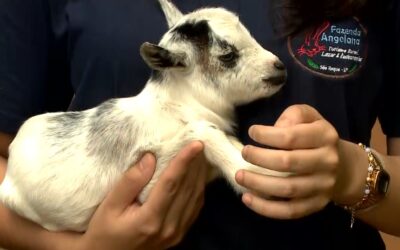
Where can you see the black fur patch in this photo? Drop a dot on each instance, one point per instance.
(157, 76)
(111, 134)
(105, 108)
(197, 32)
(62, 126)
(230, 59)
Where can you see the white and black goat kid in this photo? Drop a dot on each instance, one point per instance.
(62, 165)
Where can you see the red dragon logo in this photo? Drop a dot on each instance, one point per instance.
(311, 45)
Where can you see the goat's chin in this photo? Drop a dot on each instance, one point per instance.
(266, 93)
(272, 90)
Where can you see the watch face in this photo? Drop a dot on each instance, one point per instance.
(382, 182)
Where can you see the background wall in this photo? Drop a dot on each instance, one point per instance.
(379, 143)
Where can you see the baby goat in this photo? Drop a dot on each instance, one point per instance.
(62, 165)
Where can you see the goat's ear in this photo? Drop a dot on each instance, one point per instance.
(171, 12)
(159, 58)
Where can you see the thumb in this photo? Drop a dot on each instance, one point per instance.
(131, 183)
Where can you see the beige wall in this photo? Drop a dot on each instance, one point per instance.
(379, 143)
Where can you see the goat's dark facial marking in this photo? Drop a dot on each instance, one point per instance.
(200, 34)
(230, 54)
(221, 61)
(196, 32)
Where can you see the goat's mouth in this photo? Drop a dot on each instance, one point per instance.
(276, 79)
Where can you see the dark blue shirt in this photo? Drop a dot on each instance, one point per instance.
(59, 55)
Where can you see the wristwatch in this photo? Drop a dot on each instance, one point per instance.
(377, 182)
(376, 185)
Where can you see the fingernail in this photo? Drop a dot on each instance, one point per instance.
(251, 132)
(247, 199)
(245, 151)
(239, 176)
(145, 162)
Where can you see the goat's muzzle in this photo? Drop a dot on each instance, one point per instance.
(279, 76)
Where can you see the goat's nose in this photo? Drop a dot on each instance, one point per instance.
(279, 65)
(278, 76)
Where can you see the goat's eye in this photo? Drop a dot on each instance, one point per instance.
(228, 57)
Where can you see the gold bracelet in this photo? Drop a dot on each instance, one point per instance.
(376, 185)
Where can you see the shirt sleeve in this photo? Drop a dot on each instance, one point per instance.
(390, 112)
(24, 43)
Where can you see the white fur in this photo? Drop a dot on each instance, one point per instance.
(62, 165)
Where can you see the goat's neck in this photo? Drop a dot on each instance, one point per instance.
(193, 103)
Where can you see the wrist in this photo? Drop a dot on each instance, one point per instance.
(353, 172)
(375, 186)
(64, 241)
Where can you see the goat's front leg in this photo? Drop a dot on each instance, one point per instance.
(224, 152)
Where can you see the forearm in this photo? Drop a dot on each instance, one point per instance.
(384, 216)
(18, 233)
(3, 164)
(14, 232)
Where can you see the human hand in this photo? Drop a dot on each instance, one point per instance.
(162, 220)
(306, 145)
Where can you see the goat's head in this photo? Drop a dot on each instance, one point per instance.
(212, 46)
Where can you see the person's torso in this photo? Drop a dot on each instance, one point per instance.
(333, 67)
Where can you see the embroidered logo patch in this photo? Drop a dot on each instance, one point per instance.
(336, 49)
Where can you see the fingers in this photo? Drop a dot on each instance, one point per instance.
(291, 209)
(293, 161)
(164, 192)
(305, 146)
(190, 192)
(284, 187)
(132, 182)
(299, 127)
(147, 226)
(304, 136)
(187, 203)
